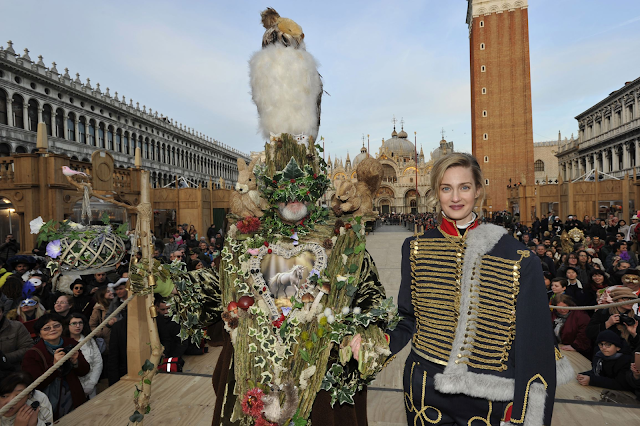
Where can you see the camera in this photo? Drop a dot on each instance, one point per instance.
(68, 348)
(35, 404)
(626, 319)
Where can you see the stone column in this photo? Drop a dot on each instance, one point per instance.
(25, 116)
(77, 130)
(65, 127)
(625, 157)
(637, 152)
(10, 120)
(605, 161)
(40, 117)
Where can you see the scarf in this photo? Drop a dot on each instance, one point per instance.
(558, 323)
(597, 368)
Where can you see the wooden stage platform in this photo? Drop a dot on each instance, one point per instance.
(187, 399)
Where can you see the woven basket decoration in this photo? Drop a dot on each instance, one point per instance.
(96, 251)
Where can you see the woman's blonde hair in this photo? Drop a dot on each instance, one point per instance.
(455, 159)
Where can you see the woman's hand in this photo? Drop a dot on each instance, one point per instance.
(633, 329)
(613, 320)
(74, 358)
(112, 321)
(567, 348)
(355, 345)
(27, 416)
(583, 380)
(58, 355)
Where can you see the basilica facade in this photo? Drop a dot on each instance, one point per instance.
(405, 180)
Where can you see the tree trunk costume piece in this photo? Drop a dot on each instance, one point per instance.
(477, 317)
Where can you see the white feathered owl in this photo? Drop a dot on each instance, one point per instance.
(285, 84)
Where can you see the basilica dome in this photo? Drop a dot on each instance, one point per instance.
(399, 145)
(358, 158)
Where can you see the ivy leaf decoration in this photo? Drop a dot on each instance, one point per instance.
(147, 366)
(292, 171)
(136, 417)
(105, 218)
(349, 250)
(359, 248)
(305, 355)
(353, 268)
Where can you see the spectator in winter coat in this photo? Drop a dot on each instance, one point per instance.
(15, 340)
(609, 366)
(621, 320)
(63, 387)
(570, 327)
(170, 247)
(77, 328)
(117, 359)
(541, 252)
(104, 296)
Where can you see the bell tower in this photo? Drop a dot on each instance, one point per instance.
(501, 125)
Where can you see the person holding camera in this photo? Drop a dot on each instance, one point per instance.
(32, 410)
(63, 388)
(621, 320)
(8, 249)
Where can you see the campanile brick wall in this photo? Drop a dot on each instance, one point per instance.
(507, 153)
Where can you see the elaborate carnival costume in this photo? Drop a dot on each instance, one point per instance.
(303, 307)
(474, 307)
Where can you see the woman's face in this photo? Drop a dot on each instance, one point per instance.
(28, 310)
(108, 295)
(62, 305)
(458, 194)
(562, 311)
(549, 253)
(199, 265)
(556, 287)
(598, 279)
(51, 332)
(573, 260)
(4, 400)
(75, 326)
(547, 283)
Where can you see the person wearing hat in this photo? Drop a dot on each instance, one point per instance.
(22, 265)
(15, 340)
(82, 301)
(609, 366)
(621, 320)
(121, 294)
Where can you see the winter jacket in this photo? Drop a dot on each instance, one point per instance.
(98, 315)
(612, 374)
(38, 360)
(597, 324)
(45, 415)
(8, 250)
(117, 360)
(574, 332)
(93, 356)
(15, 341)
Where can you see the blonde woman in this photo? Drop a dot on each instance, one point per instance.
(103, 297)
(472, 305)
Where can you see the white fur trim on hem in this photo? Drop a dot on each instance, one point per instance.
(564, 371)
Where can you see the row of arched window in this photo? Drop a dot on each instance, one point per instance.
(75, 128)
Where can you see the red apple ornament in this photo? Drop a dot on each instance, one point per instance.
(245, 302)
(232, 307)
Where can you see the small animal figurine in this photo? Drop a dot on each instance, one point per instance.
(246, 200)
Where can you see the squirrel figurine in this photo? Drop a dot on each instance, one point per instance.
(357, 198)
(247, 200)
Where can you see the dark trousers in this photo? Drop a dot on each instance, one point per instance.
(426, 406)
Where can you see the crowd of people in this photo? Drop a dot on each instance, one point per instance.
(42, 319)
(601, 268)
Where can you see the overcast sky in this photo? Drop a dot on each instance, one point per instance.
(188, 60)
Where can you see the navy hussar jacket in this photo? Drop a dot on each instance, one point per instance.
(477, 306)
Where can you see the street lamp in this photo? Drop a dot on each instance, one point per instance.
(10, 225)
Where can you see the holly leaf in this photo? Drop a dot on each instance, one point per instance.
(292, 171)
